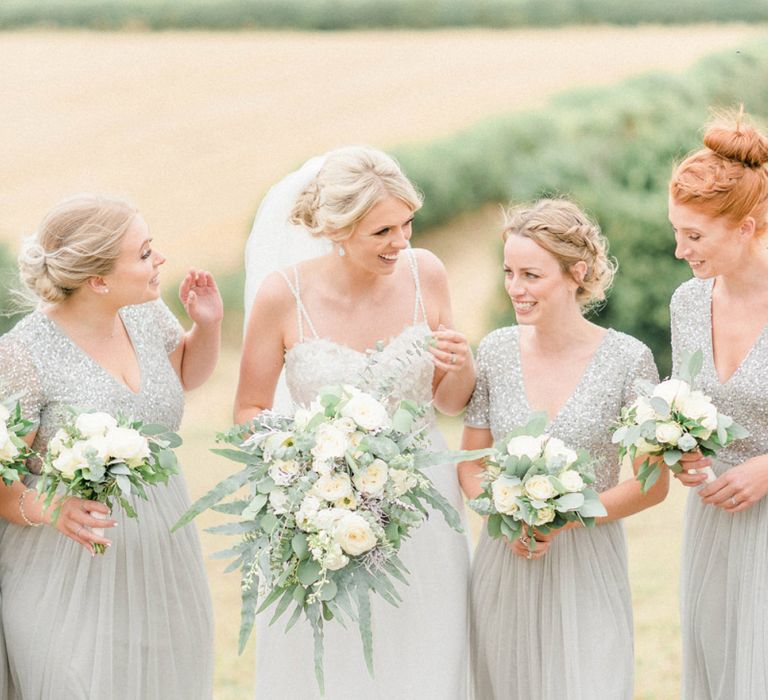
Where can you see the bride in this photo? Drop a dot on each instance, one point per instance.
(359, 312)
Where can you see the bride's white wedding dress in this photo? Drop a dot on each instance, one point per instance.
(420, 647)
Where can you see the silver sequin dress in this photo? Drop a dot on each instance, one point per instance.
(560, 627)
(724, 584)
(419, 648)
(135, 622)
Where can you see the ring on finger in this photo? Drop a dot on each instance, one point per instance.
(524, 539)
(453, 358)
(733, 502)
(529, 555)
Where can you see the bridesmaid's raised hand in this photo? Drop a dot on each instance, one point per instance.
(451, 351)
(200, 296)
(520, 547)
(740, 487)
(691, 463)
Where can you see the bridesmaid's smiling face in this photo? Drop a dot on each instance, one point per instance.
(135, 277)
(710, 245)
(380, 236)
(537, 285)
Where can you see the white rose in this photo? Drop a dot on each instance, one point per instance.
(668, 433)
(544, 515)
(335, 558)
(328, 518)
(698, 406)
(571, 480)
(5, 414)
(366, 411)
(69, 461)
(307, 510)
(372, 479)
(525, 445)
(275, 441)
(345, 424)
(99, 444)
(539, 487)
(402, 481)
(127, 445)
(348, 502)
(643, 410)
(672, 391)
(646, 448)
(91, 424)
(8, 450)
(556, 449)
(301, 418)
(278, 500)
(505, 492)
(330, 443)
(332, 487)
(283, 471)
(56, 443)
(354, 534)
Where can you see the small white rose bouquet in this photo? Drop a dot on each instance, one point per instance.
(333, 491)
(14, 452)
(671, 418)
(534, 482)
(98, 457)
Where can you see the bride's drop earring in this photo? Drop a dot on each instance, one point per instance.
(342, 252)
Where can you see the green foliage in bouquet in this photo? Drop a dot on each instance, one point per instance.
(14, 451)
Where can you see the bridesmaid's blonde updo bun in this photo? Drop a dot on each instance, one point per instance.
(562, 229)
(729, 177)
(79, 238)
(350, 183)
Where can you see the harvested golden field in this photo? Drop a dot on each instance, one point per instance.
(195, 126)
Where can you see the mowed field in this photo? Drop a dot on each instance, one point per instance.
(195, 126)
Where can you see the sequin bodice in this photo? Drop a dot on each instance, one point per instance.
(742, 396)
(586, 419)
(49, 371)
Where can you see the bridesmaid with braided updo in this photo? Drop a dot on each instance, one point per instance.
(135, 622)
(556, 623)
(718, 207)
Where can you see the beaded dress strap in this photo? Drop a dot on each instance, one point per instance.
(301, 311)
(419, 303)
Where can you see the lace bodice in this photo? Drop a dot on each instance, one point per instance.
(315, 362)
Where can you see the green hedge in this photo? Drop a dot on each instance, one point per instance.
(610, 149)
(364, 14)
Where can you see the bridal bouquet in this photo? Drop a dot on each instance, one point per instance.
(14, 452)
(333, 491)
(534, 482)
(671, 418)
(98, 457)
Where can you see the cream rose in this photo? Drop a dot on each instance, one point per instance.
(402, 481)
(92, 424)
(5, 414)
(334, 559)
(327, 518)
(556, 449)
(278, 499)
(539, 487)
(672, 391)
(8, 450)
(544, 515)
(283, 471)
(698, 406)
(643, 410)
(330, 443)
(332, 487)
(525, 445)
(668, 433)
(127, 445)
(307, 511)
(571, 480)
(366, 411)
(69, 461)
(505, 492)
(354, 534)
(372, 479)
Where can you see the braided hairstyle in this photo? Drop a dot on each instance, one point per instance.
(562, 229)
(79, 238)
(728, 178)
(350, 183)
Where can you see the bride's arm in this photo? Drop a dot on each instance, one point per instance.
(454, 377)
(263, 349)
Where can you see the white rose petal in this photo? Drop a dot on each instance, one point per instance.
(544, 515)
(8, 450)
(505, 493)
(328, 518)
(646, 448)
(92, 424)
(643, 410)
(332, 487)
(127, 445)
(556, 449)
(525, 445)
(571, 480)
(668, 433)
(366, 411)
(354, 534)
(335, 558)
(539, 487)
(5, 414)
(330, 443)
(372, 479)
(69, 461)
(279, 501)
(672, 391)
(402, 481)
(283, 471)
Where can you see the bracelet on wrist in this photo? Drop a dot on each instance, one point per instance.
(24, 517)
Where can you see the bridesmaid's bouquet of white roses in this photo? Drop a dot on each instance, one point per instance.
(14, 452)
(332, 493)
(672, 418)
(98, 457)
(534, 482)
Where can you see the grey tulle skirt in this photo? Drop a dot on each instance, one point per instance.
(133, 623)
(555, 628)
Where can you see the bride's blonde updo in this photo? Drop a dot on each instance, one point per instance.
(79, 238)
(562, 229)
(350, 183)
(729, 177)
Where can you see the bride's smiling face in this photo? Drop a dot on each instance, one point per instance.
(380, 236)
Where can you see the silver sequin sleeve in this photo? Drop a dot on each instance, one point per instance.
(19, 377)
(477, 414)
